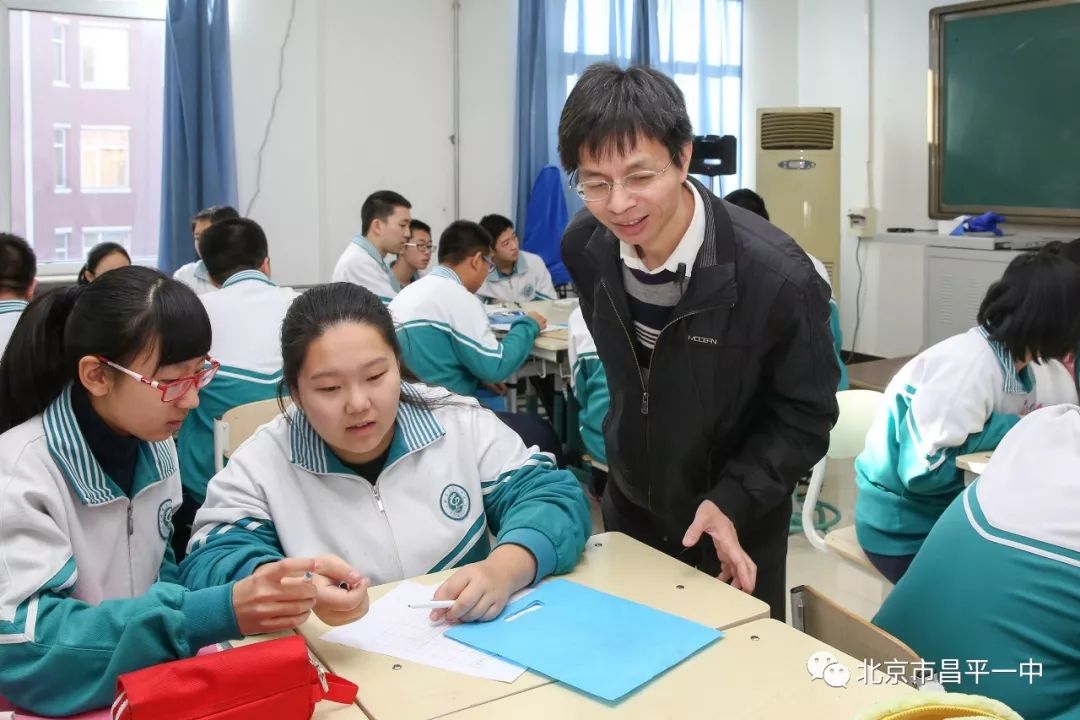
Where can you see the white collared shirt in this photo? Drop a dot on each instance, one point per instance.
(685, 252)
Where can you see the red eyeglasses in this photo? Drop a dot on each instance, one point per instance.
(172, 390)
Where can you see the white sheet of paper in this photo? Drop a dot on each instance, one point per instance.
(391, 627)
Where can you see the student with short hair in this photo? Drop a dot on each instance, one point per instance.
(18, 280)
(384, 228)
(516, 276)
(961, 396)
(400, 479)
(89, 589)
(102, 258)
(194, 274)
(445, 335)
(415, 255)
(245, 315)
(998, 579)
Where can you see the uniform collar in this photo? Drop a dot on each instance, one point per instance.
(445, 272)
(12, 306)
(367, 246)
(247, 276)
(415, 429)
(1015, 383)
(201, 273)
(68, 448)
(495, 275)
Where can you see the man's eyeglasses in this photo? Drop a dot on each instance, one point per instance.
(172, 390)
(422, 247)
(596, 190)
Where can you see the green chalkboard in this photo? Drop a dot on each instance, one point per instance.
(1007, 110)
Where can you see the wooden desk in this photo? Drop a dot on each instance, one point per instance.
(612, 562)
(875, 374)
(757, 671)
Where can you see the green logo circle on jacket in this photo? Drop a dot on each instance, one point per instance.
(455, 502)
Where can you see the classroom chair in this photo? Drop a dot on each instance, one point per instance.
(857, 411)
(240, 423)
(819, 617)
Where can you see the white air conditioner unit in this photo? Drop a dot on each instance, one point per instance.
(798, 175)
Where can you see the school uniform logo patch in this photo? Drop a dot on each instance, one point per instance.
(455, 502)
(164, 519)
(529, 291)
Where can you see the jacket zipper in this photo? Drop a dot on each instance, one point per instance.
(386, 518)
(130, 532)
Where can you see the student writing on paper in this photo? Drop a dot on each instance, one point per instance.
(398, 479)
(998, 579)
(445, 334)
(384, 229)
(18, 271)
(516, 276)
(245, 315)
(962, 396)
(89, 480)
(195, 274)
(415, 255)
(102, 258)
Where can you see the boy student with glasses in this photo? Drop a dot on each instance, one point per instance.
(713, 328)
(415, 255)
(518, 276)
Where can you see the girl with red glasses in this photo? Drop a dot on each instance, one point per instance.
(95, 382)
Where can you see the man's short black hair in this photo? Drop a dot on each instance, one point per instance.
(229, 246)
(749, 200)
(1035, 307)
(214, 214)
(18, 264)
(462, 239)
(496, 225)
(420, 225)
(379, 206)
(609, 108)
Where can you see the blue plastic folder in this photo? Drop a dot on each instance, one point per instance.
(598, 643)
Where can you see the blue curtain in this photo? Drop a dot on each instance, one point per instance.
(199, 160)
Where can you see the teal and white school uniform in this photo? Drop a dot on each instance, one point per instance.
(454, 473)
(88, 584)
(196, 277)
(446, 338)
(10, 312)
(960, 396)
(362, 265)
(245, 316)
(998, 578)
(589, 383)
(528, 281)
(834, 321)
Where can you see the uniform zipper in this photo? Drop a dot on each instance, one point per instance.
(382, 510)
(130, 532)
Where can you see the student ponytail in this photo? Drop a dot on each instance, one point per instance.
(127, 312)
(33, 366)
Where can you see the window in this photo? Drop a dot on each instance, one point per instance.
(61, 244)
(92, 236)
(60, 133)
(105, 158)
(82, 156)
(104, 56)
(59, 52)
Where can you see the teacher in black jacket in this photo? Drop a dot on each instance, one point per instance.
(713, 328)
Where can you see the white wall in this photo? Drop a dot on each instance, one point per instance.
(5, 125)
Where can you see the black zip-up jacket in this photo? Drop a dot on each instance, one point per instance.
(740, 397)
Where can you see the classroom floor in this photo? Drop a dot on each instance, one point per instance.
(825, 572)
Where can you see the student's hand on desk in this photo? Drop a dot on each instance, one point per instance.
(540, 319)
(277, 596)
(481, 590)
(736, 567)
(335, 605)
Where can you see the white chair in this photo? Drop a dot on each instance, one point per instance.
(857, 411)
(240, 423)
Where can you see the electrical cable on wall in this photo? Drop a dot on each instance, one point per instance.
(273, 110)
